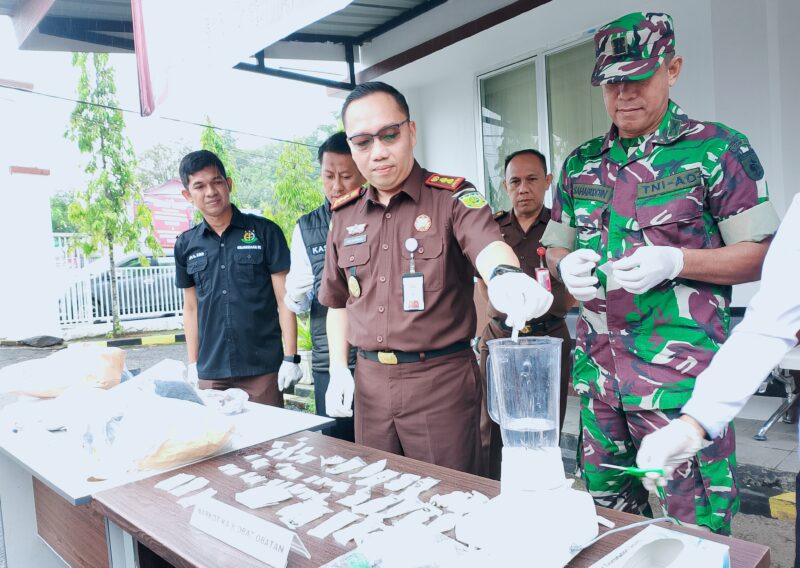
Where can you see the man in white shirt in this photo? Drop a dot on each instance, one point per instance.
(340, 176)
(770, 328)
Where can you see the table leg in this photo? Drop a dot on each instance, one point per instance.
(121, 547)
(761, 435)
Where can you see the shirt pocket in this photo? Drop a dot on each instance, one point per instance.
(196, 268)
(589, 224)
(249, 266)
(427, 260)
(674, 219)
(354, 261)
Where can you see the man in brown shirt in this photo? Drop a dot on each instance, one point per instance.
(526, 183)
(400, 257)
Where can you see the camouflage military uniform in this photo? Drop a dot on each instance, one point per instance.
(693, 185)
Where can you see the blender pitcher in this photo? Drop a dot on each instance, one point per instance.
(523, 390)
(538, 519)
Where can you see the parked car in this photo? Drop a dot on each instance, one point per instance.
(145, 284)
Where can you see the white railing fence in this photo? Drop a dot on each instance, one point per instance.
(64, 257)
(143, 292)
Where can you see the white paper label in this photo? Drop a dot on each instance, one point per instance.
(252, 535)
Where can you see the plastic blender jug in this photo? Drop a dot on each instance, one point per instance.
(523, 387)
(538, 518)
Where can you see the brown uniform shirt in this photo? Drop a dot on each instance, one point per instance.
(524, 246)
(452, 229)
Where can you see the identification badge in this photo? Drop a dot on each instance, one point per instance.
(413, 296)
(543, 278)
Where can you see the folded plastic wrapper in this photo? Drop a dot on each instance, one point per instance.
(128, 427)
(228, 401)
(78, 365)
(405, 547)
(157, 432)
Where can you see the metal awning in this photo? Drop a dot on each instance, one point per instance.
(71, 25)
(336, 36)
(106, 25)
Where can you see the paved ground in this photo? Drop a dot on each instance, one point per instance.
(778, 535)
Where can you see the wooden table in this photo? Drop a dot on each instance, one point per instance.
(44, 493)
(154, 518)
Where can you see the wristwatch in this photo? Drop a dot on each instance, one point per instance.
(502, 269)
(292, 358)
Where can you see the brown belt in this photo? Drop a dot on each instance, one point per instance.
(395, 357)
(531, 327)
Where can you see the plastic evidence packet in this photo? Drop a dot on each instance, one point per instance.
(171, 483)
(657, 546)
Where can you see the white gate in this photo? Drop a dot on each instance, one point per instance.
(66, 258)
(144, 292)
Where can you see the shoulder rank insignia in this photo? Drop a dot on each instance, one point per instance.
(499, 214)
(444, 182)
(347, 198)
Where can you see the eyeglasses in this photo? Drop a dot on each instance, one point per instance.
(388, 135)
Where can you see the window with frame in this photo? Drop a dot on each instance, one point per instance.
(553, 111)
(509, 121)
(576, 112)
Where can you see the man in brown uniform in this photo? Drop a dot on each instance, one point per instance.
(400, 257)
(526, 183)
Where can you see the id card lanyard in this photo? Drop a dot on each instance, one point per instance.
(542, 273)
(413, 282)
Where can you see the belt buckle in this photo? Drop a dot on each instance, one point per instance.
(387, 358)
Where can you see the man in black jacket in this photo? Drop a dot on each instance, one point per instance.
(339, 176)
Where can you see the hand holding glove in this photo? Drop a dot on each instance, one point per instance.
(299, 294)
(191, 374)
(575, 270)
(339, 396)
(518, 296)
(301, 286)
(648, 267)
(288, 375)
(667, 449)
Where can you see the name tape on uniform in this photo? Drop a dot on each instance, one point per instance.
(355, 240)
(675, 182)
(591, 192)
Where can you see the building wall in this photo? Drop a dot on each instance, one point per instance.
(739, 69)
(736, 70)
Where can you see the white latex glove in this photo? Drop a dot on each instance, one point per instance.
(299, 307)
(288, 374)
(300, 287)
(576, 273)
(518, 296)
(191, 374)
(667, 449)
(648, 267)
(339, 396)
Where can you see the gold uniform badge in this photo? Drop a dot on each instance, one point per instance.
(354, 286)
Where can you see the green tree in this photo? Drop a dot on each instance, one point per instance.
(159, 164)
(59, 213)
(298, 188)
(324, 131)
(110, 211)
(256, 170)
(222, 146)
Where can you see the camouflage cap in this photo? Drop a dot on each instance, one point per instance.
(632, 47)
